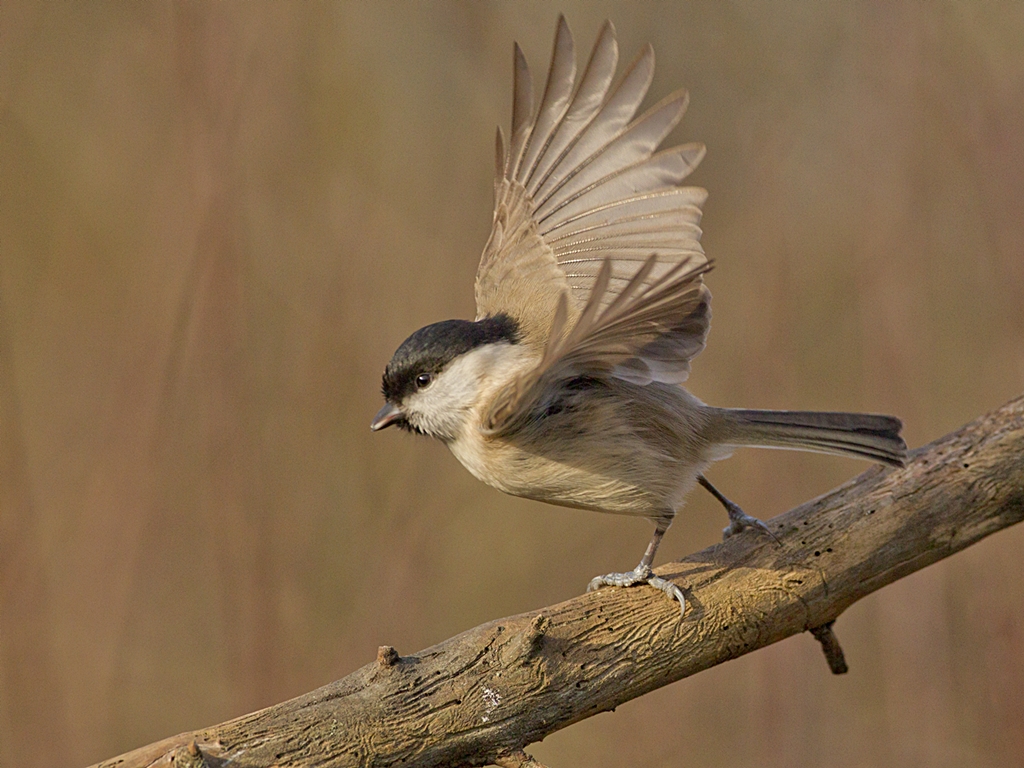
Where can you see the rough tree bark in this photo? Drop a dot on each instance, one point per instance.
(482, 696)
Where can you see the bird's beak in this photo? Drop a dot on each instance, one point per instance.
(386, 416)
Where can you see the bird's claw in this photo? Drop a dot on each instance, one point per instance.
(740, 521)
(639, 575)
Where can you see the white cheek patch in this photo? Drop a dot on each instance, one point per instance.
(441, 410)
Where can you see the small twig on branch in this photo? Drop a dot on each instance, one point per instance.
(830, 646)
(483, 696)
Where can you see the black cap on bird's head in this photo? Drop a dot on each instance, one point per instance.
(427, 352)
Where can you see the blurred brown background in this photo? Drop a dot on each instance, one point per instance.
(218, 221)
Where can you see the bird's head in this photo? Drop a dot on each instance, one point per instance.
(437, 375)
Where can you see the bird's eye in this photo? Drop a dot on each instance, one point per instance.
(423, 380)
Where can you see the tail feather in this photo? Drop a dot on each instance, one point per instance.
(865, 435)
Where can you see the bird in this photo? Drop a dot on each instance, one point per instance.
(590, 305)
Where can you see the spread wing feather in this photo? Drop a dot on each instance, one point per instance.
(556, 100)
(589, 98)
(612, 115)
(626, 150)
(582, 183)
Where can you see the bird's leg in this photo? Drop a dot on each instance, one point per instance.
(739, 520)
(643, 574)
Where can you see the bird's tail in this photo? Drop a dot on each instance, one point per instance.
(864, 435)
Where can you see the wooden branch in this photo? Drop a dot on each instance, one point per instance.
(484, 695)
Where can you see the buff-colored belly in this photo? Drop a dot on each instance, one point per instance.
(607, 478)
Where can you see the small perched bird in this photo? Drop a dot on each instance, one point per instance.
(591, 304)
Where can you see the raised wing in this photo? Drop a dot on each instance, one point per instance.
(582, 185)
(646, 331)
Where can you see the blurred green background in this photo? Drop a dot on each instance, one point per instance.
(218, 221)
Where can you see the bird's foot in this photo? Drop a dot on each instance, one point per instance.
(740, 521)
(642, 574)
